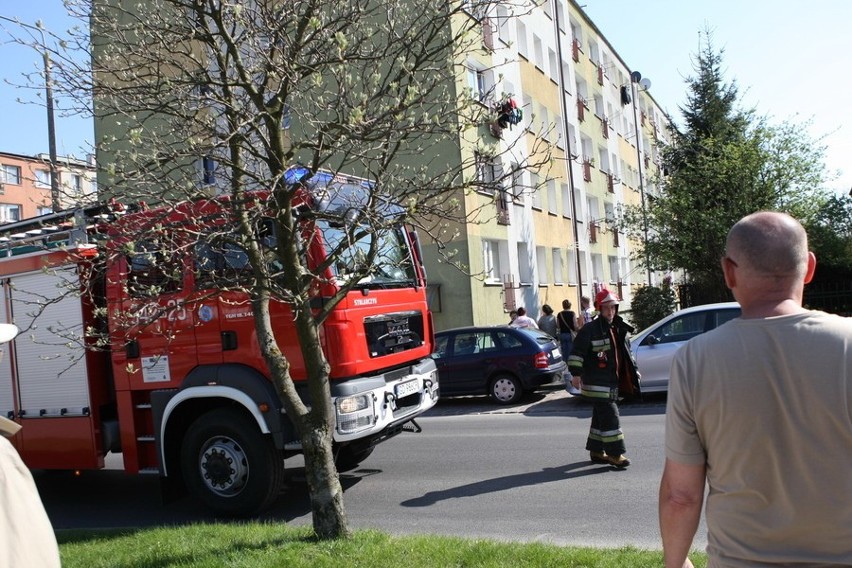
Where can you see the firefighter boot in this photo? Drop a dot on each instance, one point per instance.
(618, 461)
(598, 457)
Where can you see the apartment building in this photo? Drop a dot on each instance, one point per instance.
(579, 126)
(553, 235)
(25, 184)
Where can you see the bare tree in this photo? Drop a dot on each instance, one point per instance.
(256, 103)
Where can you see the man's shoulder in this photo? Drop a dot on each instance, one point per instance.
(810, 321)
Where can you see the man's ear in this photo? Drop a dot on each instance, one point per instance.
(809, 275)
(730, 275)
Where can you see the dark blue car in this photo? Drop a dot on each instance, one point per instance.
(502, 362)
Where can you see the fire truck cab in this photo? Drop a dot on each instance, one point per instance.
(131, 346)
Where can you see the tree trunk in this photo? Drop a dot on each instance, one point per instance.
(328, 512)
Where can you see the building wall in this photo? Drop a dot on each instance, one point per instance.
(569, 81)
(25, 188)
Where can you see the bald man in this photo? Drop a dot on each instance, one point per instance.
(761, 408)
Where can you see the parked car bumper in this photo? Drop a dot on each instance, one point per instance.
(544, 376)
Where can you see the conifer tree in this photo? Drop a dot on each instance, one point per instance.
(724, 162)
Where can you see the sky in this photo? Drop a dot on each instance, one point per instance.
(788, 58)
(25, 125)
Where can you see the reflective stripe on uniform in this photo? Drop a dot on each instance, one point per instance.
(599, 345)
(606, 436)
(575, 362)
(595, 391)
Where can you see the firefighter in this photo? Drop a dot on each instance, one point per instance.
(603, 369)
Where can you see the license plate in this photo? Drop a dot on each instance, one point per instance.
(402, 390)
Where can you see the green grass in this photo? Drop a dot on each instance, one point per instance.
(262, 545)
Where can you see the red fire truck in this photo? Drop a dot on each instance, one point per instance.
(129, 347)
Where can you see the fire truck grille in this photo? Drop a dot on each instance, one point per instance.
(392, 333)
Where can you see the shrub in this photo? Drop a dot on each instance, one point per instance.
(650, 304)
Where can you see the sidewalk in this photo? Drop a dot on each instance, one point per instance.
(548, 398)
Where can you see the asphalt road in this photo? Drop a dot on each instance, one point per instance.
(476, 470)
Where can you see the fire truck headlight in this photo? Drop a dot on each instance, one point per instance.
(352, 404)
(354, 413)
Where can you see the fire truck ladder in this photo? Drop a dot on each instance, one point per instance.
(67, 228)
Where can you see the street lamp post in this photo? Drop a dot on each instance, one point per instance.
(48, 101)
(637, 81)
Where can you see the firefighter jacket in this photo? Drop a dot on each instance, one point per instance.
(594, 357)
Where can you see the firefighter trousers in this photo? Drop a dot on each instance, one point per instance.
(605, 435)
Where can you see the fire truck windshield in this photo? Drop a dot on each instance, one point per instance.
(391, 267)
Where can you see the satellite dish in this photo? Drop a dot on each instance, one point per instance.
(636, 76)
(645, 84)
(8, 331)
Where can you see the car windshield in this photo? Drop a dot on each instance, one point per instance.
(392, 265)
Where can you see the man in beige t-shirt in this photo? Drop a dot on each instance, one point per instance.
(26, 536)
(761, 408)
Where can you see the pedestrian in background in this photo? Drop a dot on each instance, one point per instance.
(568, 325)
(547, 322)
(761, 408)
(513, 315)
(585, 310)
(523, 320)
(603, 368)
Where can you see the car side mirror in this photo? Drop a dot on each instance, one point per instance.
(651, 340)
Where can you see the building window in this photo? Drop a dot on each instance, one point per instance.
(524, 264)
(558, 275)
(208, 170)
(541, 265)
(566, 201)
(517, 189)
(503, 25)
(522, 39)
(491, 260)
(534, 191)
(552, 206)
(572, 266)
(11, 174)
(538, 53)
(614, 276)
(554, 64)
(10, 213)
(44, 210)
(77, 183)
(597, 268)
(42, 179)
(477, 83)
(489, 172)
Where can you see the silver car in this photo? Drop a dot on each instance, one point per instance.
(655, 346)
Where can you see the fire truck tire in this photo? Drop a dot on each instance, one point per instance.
(350, 457)
(231, 466)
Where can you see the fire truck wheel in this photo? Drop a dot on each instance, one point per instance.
(351, 456)
(230, 465)
(506, 389)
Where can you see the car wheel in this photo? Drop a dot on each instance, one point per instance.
(505, 389)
